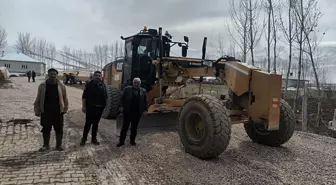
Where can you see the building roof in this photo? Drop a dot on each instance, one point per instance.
(20, 57)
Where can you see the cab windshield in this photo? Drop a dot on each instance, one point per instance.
(144, 44)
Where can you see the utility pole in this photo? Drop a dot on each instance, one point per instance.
(304, 108)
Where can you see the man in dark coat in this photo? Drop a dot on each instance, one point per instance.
(134, 105)
(93, 104)
(29, 75)
(33, 74)
(50, 105)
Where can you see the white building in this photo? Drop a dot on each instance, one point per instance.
(20, 63)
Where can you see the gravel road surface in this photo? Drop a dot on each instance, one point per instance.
(159, 157)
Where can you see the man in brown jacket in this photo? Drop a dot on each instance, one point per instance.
(50, 105)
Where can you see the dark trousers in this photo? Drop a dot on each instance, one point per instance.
(48, 121)
(28, 78)
(33, 78)
(93, 115)
(128, 119)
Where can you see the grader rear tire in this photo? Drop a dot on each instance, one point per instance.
(277, 137)
(204, 126)
(112, 108)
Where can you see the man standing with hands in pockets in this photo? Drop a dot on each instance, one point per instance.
(134, 105)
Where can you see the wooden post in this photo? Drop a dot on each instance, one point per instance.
(304, 108)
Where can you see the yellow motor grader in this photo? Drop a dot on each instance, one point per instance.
(204, 121)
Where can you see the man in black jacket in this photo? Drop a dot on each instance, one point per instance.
(29, 75)
(134, 105)
(33, 74)
(93, 104)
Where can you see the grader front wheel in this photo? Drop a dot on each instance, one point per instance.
(204, 126)
(111, 110)
(259, 134)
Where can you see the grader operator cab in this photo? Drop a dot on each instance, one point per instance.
(204, 121)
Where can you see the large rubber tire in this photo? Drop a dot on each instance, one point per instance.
(277, 137)
(216, 122)
(112, 108)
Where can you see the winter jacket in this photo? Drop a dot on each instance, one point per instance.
(39, 101)
(127, 97)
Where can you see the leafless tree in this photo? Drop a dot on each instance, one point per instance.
(97, 55)
(3, 37)
(106, 53)
(121, 49)
(300, 17)
(219, 45)
(309, 31)
(271, 37)
(24, 43)
(255, 27)
(34, 49)
(116, 49)
(240, 22)
(42, 47)
(269, 9)
(307, 15)
(101, 56)
(51, 53)
(66, 60)
(112, 51)
(76, 58)
(289, 34)
(232, 48)
(275, 27)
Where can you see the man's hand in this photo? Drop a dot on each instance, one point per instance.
(38, 114)
(84, 110)
(145, 113)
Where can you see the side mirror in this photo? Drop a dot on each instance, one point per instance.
(184, 51)
(186, 39)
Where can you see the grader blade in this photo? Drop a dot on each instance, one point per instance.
(153, 122)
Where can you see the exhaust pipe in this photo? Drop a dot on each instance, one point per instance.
(204, 47)
(203, 54)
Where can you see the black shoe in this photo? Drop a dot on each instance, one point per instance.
(44, 148)
(120, 144)
(59, 148)
(132, 143)
(95, 142)
(82, 143)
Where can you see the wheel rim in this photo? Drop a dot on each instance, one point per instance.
(195, 128)
(260, 128)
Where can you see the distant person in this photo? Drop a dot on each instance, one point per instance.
(33, 74)
(134, 105)
(29, 75)
(91, 75)
(51, 104)
(93, 104)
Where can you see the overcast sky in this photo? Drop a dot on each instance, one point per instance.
(84, 23)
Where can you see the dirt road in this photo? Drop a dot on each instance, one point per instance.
(160, 159)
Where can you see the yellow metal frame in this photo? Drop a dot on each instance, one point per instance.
(169, 105)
